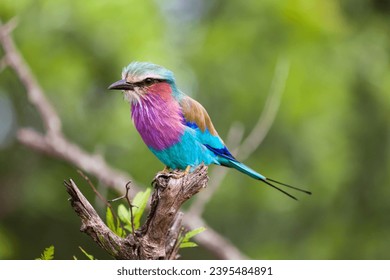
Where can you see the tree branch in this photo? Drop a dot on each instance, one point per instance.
(60, 147)
(268, 115)
(35, 94)
(93, 225)
(157, 238)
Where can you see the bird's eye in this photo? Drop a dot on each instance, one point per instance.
(148, 81)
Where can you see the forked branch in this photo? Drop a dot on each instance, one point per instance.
(159, 236)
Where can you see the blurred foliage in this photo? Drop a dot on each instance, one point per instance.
(88, 256)
(331, 134)
(47, 254)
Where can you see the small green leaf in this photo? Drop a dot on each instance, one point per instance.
(185, 240)
(114, 224)
(48, 253)
(188, 245)
(192, 233)
(89, 256)
(119, 231)
(140, 201)
(110, 220)
(124, 214)
(128, 227)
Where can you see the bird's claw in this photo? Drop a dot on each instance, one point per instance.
(176, 174)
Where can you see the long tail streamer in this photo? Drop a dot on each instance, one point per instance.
(286, 185)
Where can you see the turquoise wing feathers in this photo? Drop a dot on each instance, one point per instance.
(197, 118)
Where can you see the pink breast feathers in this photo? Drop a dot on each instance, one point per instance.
(158, 119)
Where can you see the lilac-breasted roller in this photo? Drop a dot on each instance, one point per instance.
(175, 127)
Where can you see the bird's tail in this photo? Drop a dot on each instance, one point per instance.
(250, 172)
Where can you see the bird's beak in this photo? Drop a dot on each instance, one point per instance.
(121, 84)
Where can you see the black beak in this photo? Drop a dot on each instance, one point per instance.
(121, 84)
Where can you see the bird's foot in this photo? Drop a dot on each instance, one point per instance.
(176, 174)
(165, 170)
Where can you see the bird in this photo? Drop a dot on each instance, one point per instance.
(176, 128)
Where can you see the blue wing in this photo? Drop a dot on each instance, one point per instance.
(197, 118)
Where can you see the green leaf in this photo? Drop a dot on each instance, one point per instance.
(110, 220)
(114, 224)
(89, 256)
(48, 254)
(185, 240)
(188, 245)
(124, 214)
(139, 202)
(128, 228)
(119, 230)
(192, 233)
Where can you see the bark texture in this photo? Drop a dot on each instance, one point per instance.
(158, 237)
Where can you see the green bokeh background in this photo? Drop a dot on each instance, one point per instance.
(331, 134)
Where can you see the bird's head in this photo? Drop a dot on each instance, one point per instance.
(142, 78)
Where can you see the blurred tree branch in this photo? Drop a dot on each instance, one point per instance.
(55, 144)
(13, 59)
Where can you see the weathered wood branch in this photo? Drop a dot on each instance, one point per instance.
(92, 224)
(158, 237)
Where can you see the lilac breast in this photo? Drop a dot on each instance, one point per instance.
(158, 121)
